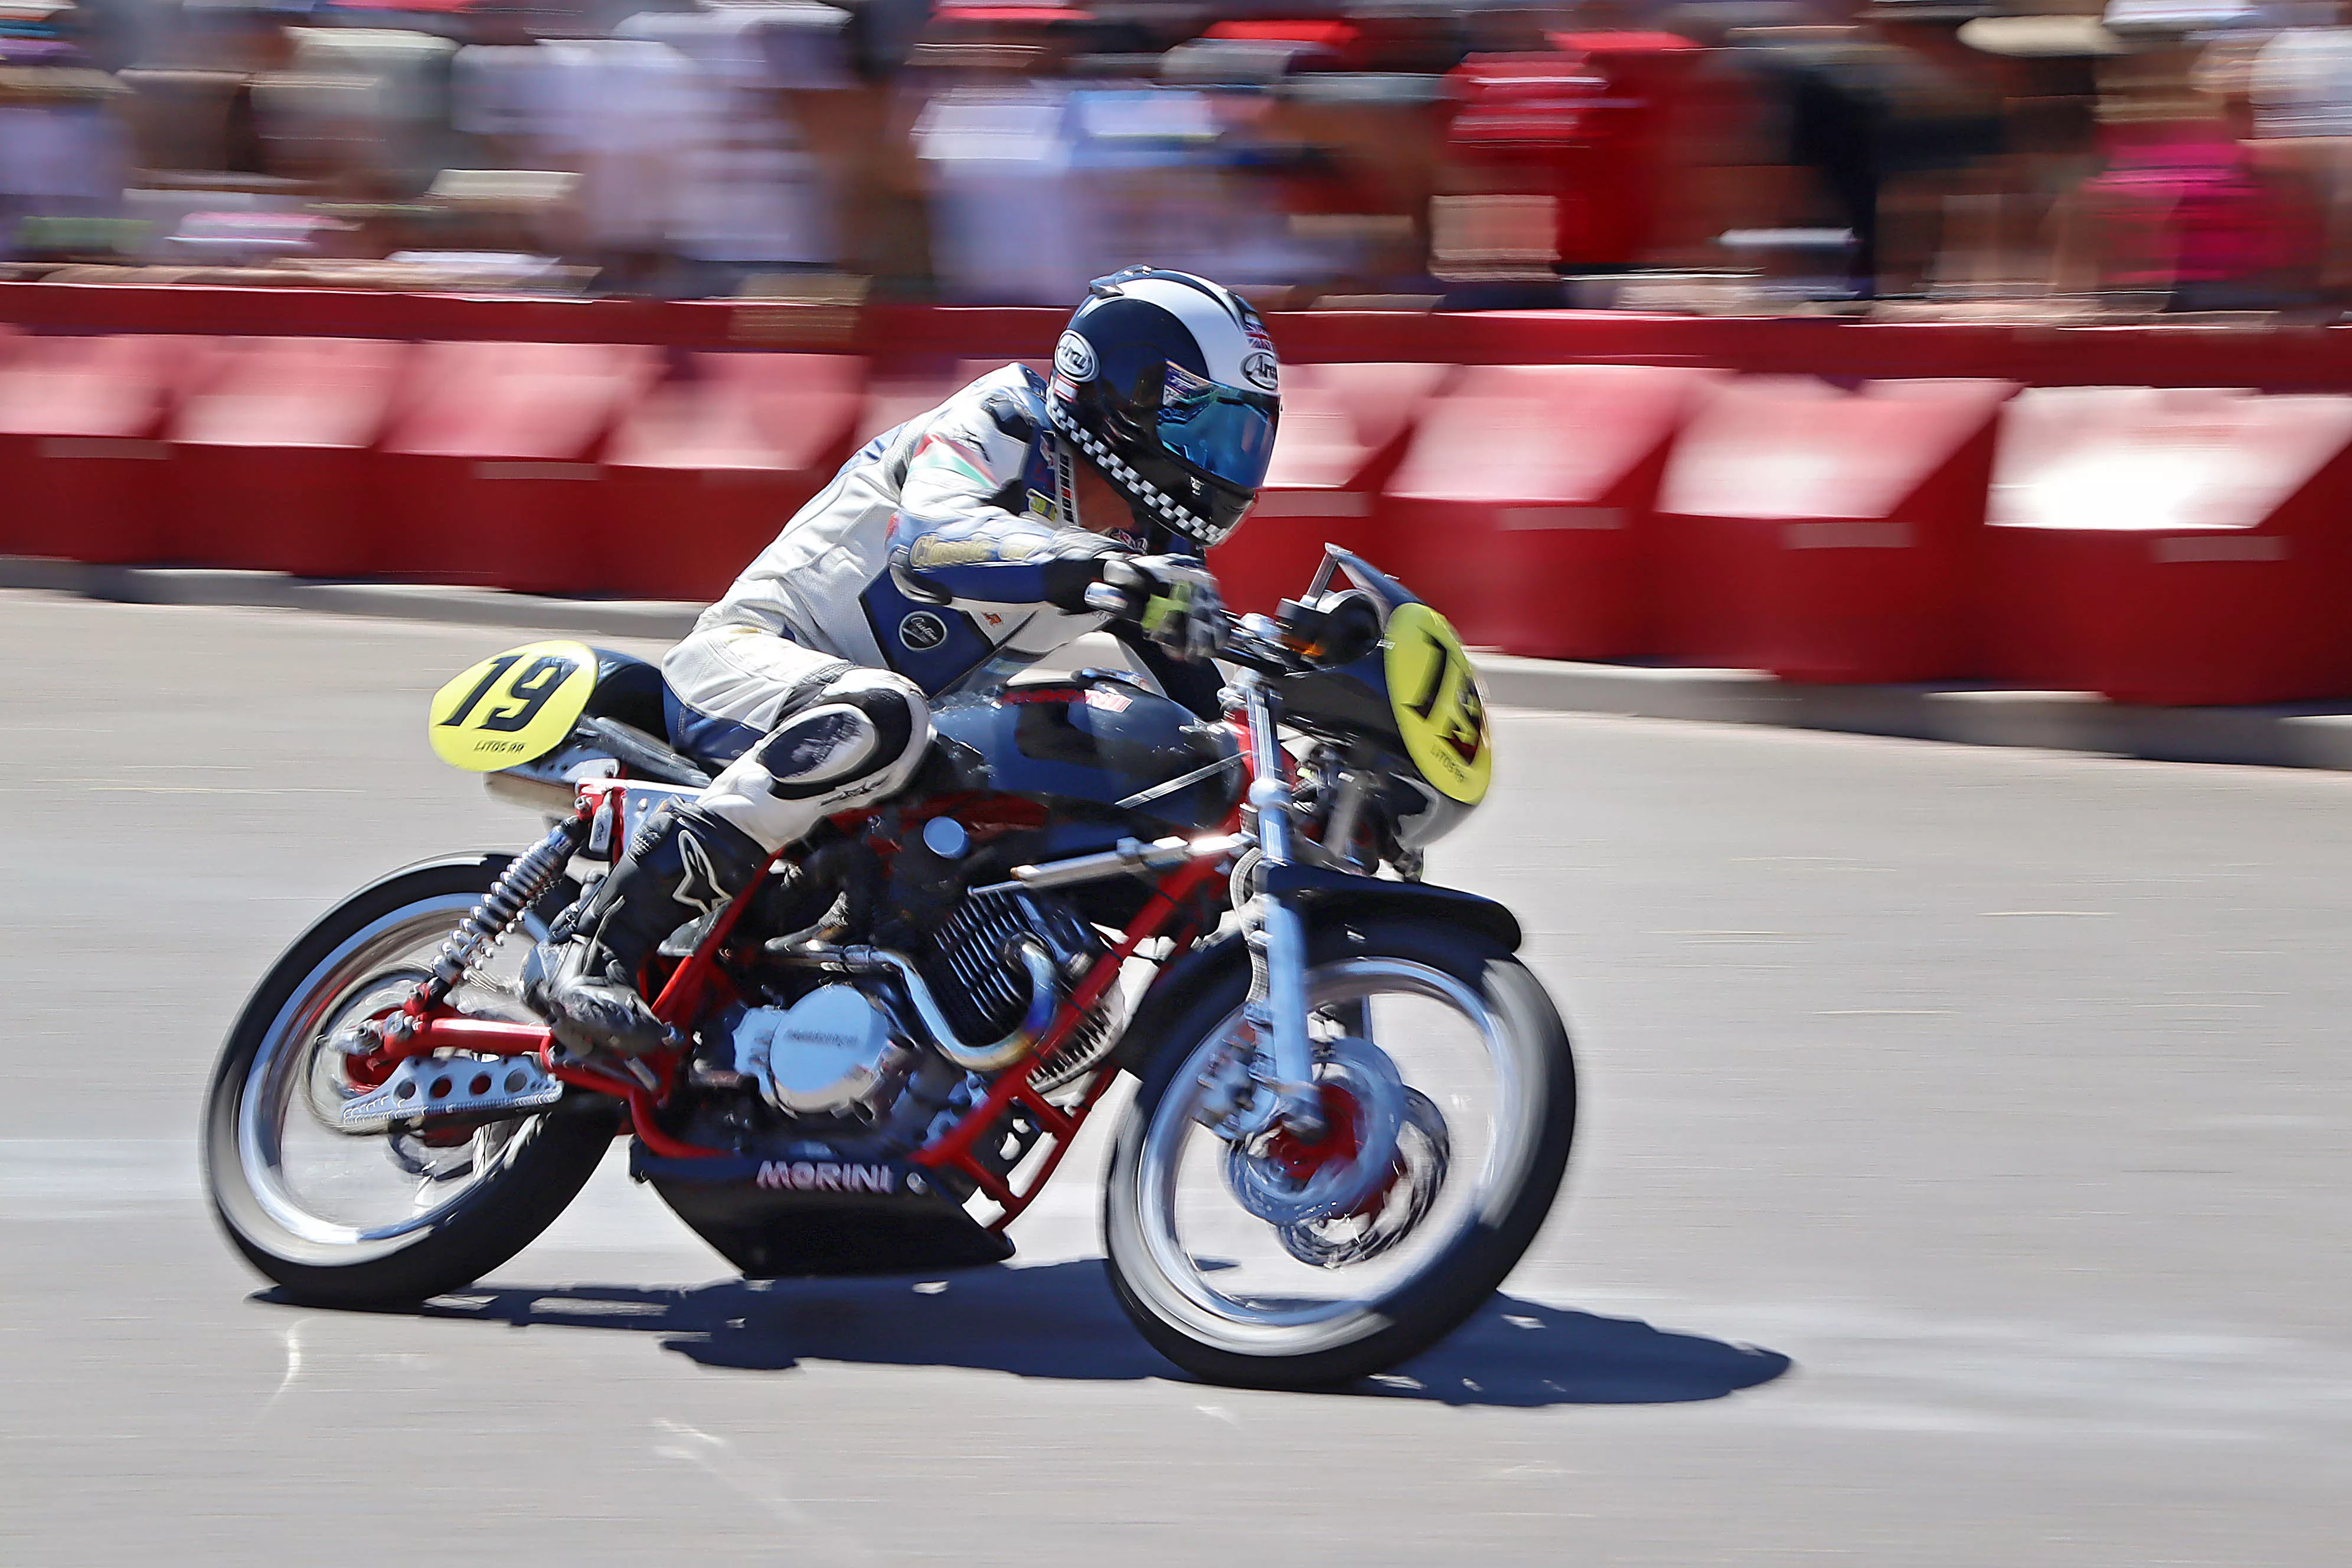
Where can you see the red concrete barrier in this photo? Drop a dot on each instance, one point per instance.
(1522, 510)
(705, 472)
(80, 420)
(489, 472)
(2160, 547)
(1344, 426)
(1826, 535)
(2173, 546)
(897, 338)
(270, 468)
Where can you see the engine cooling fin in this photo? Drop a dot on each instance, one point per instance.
(984, 991)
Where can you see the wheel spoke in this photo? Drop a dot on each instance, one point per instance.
(1291, 1277)
(1353, 1018)
(309, 1175)
(1341, 1291)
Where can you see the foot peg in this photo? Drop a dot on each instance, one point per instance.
(590, 1011)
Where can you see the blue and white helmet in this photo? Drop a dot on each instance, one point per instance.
(1168, 384)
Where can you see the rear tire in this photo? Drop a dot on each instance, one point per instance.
(1183, 1321)
(533, 1175)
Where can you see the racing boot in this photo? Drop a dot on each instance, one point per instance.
(584, 979)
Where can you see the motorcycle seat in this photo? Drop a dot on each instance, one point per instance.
(630, 689)
(630, 703)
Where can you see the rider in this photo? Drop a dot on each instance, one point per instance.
(945, 556)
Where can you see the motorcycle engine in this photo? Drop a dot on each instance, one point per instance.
(851, 1054)
(827, 1054)
(984, 991)
(823, 1086)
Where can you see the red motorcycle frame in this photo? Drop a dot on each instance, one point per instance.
(699, 981)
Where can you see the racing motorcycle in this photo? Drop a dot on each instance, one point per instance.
(1353, 1108)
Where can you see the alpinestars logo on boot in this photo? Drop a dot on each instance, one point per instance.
(699, 889)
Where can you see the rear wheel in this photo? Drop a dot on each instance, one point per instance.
(1219, 1255)
(382, 1219)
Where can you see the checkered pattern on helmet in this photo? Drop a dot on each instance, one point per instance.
(1170, 510)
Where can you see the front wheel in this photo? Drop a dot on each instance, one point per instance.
(382, 1219)
(1228, 1286)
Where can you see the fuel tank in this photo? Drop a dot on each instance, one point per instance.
(1098, 738)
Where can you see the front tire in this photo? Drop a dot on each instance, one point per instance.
(337, 1236)
(1259, 1332)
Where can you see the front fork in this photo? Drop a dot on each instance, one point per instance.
(1281, 1068)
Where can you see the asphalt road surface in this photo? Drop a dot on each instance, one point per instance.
(1963, 1181)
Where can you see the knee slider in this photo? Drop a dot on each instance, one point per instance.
(892, 704)
(861, 725)
(815, 750)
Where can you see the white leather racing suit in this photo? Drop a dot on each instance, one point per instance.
(942, 558)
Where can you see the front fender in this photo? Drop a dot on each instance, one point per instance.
(1325, 896)
(1330, 901)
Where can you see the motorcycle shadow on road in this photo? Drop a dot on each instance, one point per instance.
(1060, 1320)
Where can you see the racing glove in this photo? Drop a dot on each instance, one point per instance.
(1172, 599)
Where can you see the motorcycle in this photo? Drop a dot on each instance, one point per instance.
(1353, 1106)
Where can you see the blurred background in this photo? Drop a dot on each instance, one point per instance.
(1926, 340)
(1997, 1090)
(1970, 157)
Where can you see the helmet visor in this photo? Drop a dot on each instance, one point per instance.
(1226, 433)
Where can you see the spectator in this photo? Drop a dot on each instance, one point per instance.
(862, 132)
(62, 150)
(2183, 210)
(1863, 112)
(2299, 85)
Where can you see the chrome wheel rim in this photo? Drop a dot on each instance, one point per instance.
(367, 1195)
(1268, 1299)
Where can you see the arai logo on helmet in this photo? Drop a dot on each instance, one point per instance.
(1074, 357)
(922, 631)
(1261, 372)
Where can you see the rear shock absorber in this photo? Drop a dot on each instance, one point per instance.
(522, 884)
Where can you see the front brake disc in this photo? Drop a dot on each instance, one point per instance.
(1424, 1156)
(1275, 1190)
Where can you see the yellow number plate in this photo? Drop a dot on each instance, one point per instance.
(1439, 707)
(512, 708)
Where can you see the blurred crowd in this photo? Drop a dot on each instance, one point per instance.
(1803, 154)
